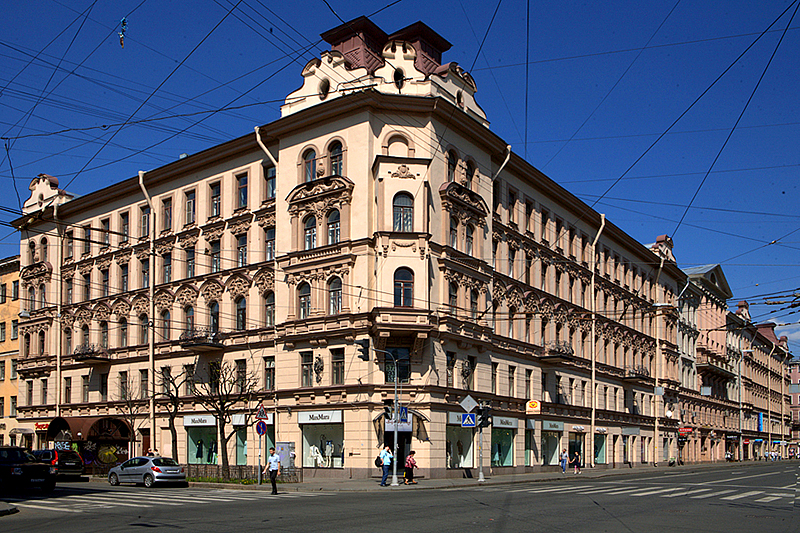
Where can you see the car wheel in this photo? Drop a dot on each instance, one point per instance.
(113, 479)
(148, 481)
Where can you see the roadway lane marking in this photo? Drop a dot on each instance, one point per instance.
(689, 493)
(701, 496)
(622, 491)
(106, 502)
(768, 499)
(738, 478)
(596, 491)
(537, 491)
(43, 507)
(743, 495)
(649, 492)
(142, 498)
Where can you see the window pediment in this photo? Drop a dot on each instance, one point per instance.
(320, 196)
(463, 203)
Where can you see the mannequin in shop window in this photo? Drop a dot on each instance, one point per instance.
(199, 453)
(316, 456)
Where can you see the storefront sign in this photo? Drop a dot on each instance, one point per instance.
(401, 426)
(533, 407)
(199, 420)
(601, 430)
(41, 427)
(320, 417)
(630, 431)
(578, 429)
(549, 425)
(685, 431)
(504, 422)
(454, 419)
(746, 441)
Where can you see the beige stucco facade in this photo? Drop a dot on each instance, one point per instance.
(9, 350)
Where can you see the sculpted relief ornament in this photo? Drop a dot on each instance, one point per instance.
(320, 196)
(403, 172)
(265, 281)
(140, 305)
(212, 290)
(186, 296)
(164, 300)
(238, 286)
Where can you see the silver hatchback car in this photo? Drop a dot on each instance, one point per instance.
(147, 470)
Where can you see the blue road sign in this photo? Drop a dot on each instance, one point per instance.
(261, 427)
(404, 414)
(468, 420)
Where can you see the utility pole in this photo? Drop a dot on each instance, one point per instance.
(594, 340)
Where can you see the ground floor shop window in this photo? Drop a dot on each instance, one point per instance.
(665, 448)
(531, 451)
(241, 446)
(502, 447)
(323, 445)
(600, 449)
(202, 445)
(625, 448)
(643, 451)
(550, 451)
(459, 447)
(576, 441)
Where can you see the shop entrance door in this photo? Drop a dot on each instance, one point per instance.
(403, 447)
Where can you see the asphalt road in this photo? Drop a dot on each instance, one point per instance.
(756, 498)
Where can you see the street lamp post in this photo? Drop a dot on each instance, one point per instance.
(741, 439)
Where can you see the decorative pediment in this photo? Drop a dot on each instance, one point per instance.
(121, 308)
(514, 297)
(265, 281)
(123, 257)
(164, 299)
(83, 316)
(140, 305)
(165, 245)
(142, 251)
(463, 203)
(189, 238)
(239, 225)
(212, 290)
(85, 267)
(266, 219)
(101, 312)
(238, 285)
(212, 232)
(103, 262)
(186, 296)
(36, 273)
(320, 196)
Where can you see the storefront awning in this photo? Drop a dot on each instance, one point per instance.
(80, 428)
(21, 431)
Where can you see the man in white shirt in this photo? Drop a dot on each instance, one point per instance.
(274, 468)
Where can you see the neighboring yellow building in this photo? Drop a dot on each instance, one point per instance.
(9, 349)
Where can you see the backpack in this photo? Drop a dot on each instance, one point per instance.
(378, 462)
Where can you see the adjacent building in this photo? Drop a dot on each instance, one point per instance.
(165, 310)
(9, 350)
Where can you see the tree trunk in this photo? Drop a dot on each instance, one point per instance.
(222, 449)
(174, 432)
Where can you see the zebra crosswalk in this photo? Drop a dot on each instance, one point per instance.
(633, 489)
(71, 501)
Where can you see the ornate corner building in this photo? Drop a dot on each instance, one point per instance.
(379, 207)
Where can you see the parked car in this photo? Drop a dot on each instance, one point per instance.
(147, 470)
(20, 470)
(68, 462)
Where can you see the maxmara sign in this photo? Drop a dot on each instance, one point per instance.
(320, 417)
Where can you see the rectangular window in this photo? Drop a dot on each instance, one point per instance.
(269, 176)
(167, 268)
(528, 379)
(188, 371)
(241, 251)
(512, 387)
(15, 290)
(215, 257)
(306, 371)
(67, 390)
(87, 286)
(68, 245)
(123, 386)
(451, 368)
(145, 274)
(12, 409)
(529, 217)
(402, 357)
(105, 228)
(3, 289)
(2, 410)
(190, 208)
(494, 378)
(84, 389)
(144, 224)
(270, 238)
(166, 214)
(468, 375)
(512, 206)
(29, 392)
(216, 200)
(241, 375)
(241, 191)
(104, 278)
(87, 240)
(337, 366)
(124, 227)
(104, 387)
(190, 262)
(44, 392)
(269, 373)
(123, 278)
(14, 330)
(543, 231)
(2, 370)
(2, 332)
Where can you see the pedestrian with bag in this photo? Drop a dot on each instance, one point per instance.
(386, 458)
(564, 460)
(274, 469)
(411, 464)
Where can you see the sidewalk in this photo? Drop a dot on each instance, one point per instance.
(6, 509)
(373, 484)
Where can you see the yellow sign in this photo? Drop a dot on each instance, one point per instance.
(533, 407)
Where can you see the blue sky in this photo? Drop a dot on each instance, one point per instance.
(604, 81)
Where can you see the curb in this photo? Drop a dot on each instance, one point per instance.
(6, 509)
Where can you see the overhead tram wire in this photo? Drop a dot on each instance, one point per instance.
(738, 119)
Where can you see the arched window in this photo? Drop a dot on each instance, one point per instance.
(143, 329)
(166, 325)
(26, 345)
(335, 296)
(104, 334)
(403, 287)
(42, 297)
(31, 252)
(452, 298)
(188, 314)
(123, 332)
(241, 313)
(403, 212)
(68, 340)
(512, 311)
(304, 300)
(452, 164)
(309, 165)
(41, 343)
(333, 227)
(213, 311)
(85, 334)
(470, 175)
(310, 229)
(473, 304)
(470, 232)
(44, 249)
(454, 232)
(269, 304)
(337, 166)
(31, 303)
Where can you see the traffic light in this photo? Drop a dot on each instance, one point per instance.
(484, 416)
(363, 349)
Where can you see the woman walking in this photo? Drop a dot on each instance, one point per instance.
(411, 464)
(577, 462)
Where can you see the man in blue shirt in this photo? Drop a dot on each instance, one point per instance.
(274, 468)
(386, 456)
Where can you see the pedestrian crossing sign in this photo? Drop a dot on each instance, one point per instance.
(468, 420)
(262, 413)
